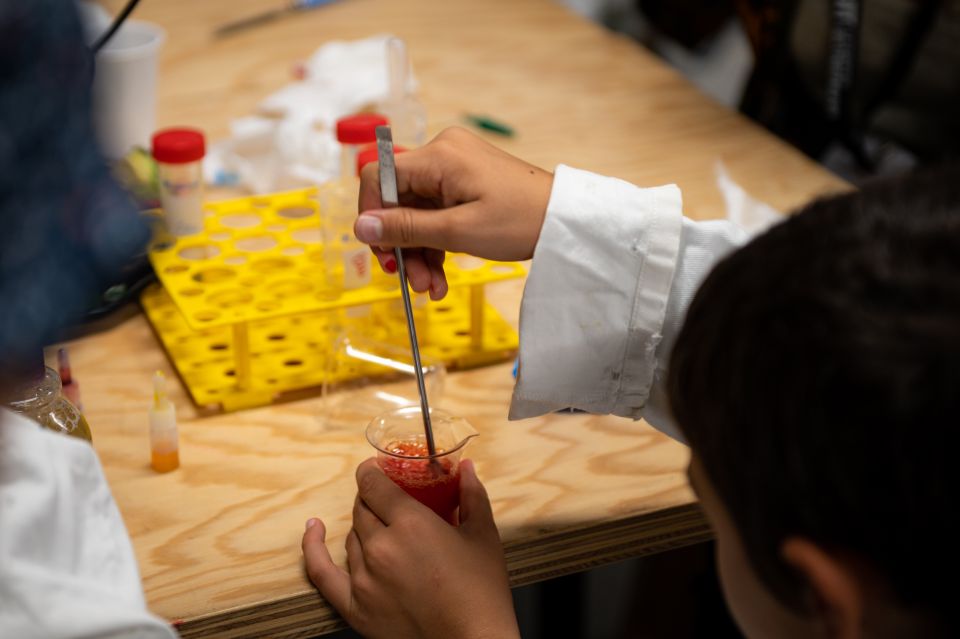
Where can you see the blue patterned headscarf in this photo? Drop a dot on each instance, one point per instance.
(66, 228)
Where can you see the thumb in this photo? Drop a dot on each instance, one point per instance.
(475, 510)
(406, 227)
(332, 581)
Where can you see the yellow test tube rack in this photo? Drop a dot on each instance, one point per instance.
(247, 314)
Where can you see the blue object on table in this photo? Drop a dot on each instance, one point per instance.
(268, 16)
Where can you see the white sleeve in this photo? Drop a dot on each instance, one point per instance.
(612, 275)
(67, 569)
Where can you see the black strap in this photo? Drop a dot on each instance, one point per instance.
(903, 59)
(842, 59)
(842, 67)
(117, 23)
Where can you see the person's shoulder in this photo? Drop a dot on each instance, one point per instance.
(24, 443)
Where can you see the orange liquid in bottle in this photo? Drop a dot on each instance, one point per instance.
(165, 462)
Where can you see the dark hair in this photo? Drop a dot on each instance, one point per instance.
(817, 379)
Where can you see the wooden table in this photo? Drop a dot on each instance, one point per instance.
(218, 541)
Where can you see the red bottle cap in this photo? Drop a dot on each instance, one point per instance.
(178, 146)
(360, 128)
(369, 154)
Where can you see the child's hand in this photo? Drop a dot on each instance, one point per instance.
(457, 193)
(411, 573)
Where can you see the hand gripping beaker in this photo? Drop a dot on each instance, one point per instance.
(402, 453)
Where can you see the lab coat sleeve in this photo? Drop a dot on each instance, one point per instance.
(67, 569)
(613, 272)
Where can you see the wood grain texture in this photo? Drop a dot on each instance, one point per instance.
(218, 540)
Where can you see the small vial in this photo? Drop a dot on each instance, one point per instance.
(164, 441)
(71, 388)
(179, 154)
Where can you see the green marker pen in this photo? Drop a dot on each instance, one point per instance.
(489, 124)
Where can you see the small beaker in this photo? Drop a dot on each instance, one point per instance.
(403, 456)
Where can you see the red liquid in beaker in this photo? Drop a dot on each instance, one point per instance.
(435, 485)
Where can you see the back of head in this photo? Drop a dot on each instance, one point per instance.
(817, 378)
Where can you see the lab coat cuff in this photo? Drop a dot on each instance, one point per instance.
(594, 302)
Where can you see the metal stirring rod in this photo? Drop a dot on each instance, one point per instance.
(390, 199)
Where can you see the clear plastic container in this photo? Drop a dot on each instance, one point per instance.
(41, 399)
(347, 260)
(433, 480)
(408, 117)
(179, 155)
(392, 311)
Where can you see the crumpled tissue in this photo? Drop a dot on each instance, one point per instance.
(291, 141)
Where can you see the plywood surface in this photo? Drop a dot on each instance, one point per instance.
(218, 540)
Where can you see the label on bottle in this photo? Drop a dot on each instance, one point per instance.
(356, 268)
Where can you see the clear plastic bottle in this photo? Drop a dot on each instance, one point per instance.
(40, 397)
(346, 259)
(408, 117)
(379, 277)
(392, 311)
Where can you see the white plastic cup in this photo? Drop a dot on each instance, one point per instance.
(125, 88)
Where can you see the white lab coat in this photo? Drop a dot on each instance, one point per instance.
(613, 272)
(67, 568)
(612, 276)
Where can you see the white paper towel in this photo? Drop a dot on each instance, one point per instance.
(291, 141)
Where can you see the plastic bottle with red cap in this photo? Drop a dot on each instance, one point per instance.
(347, 260)
(179, 154)
(394, 310)
(353, 133)
(369, 154)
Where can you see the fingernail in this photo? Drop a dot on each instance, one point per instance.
(369, 228)
(390, 266)
(311, 523)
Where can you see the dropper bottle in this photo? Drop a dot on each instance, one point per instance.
(164, 442)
